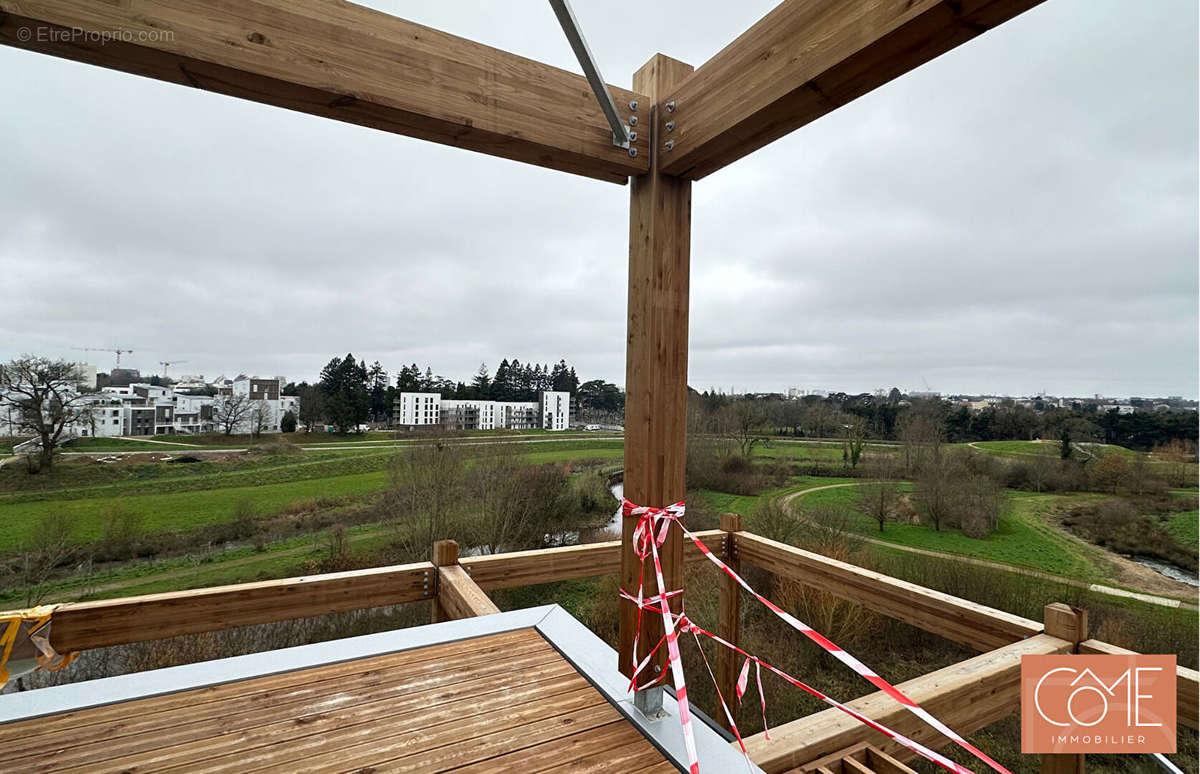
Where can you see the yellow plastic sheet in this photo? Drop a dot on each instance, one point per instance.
(25, 638)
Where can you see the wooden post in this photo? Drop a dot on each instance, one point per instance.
(660, 214)
(729, 620)
(445, 553)
(1070, 624)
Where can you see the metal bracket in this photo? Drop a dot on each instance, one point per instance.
(591, 71)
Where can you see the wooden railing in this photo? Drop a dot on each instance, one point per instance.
(968, 696)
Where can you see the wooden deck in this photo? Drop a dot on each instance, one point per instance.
(500, 702)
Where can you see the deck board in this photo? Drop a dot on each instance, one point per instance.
(501, 702)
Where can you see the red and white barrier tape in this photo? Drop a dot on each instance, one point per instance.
(652, 528)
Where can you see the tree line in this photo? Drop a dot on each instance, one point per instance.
(350, 393)
(891, 417)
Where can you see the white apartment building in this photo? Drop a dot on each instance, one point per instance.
(555, 410)
(551, 411)
(145, 409)
(415, 409)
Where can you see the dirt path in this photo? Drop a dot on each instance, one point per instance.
(1096, 587)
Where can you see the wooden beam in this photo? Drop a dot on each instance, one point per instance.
(83, 625)
(805, 59)
(960, 620)
(445, 553)
(529, 568)
(459, 597)
(966, 696)
(347, 62)
(1070, 624)
(1187, 683)
(660, 221)
(729, 621)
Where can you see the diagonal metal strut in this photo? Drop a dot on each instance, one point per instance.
(591, 71)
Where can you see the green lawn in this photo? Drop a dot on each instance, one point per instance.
(1183, 526)
(181, 503)
(1023, 538)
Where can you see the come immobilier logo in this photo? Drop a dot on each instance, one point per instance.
(1098, 704)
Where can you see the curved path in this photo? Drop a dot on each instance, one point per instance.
(1096, 587)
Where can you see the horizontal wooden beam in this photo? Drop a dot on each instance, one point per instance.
(529, 568)
(347, 62)
(803, 60)
(966, 696)
(1187, 682)
(960, 620)
(83, 625)
(459, 597)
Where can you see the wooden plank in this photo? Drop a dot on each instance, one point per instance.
(966, 696)
(530, 568)
(805, 59)
(729, 617)
(884, 763)
(617, 746)
(435, 674)
(83, 625)
(346, 62)
(1187, 682)
(660, 221)
(178, 736)
(459, 597)
(960, 620)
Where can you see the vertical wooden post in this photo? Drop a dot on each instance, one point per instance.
(445, 553)
(660, 215)
(1070, 624)
(729, 613)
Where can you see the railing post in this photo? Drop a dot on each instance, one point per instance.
(1070, 624)
(445, 553)
(729, 614)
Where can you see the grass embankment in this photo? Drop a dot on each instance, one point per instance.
(181, 501)
(1022, 538)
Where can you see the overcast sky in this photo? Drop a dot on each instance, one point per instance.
(1018, 215)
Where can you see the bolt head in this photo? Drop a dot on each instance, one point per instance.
(670, 126)
(633, 104)
(633, 120)
(632, 152)
(671, 106)
(633, 136)
(670, 145)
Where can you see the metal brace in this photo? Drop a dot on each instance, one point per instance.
(566, 18)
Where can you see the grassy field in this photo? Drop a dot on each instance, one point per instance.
(183, 500)
(1184, 527)
(1023, 538)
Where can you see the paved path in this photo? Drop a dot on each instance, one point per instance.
(1108, 590)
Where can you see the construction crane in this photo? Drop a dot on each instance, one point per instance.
(167, 363)
(115, 350)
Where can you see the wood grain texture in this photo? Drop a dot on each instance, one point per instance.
(504, 702)
(806, 58)
(960, 620)
(966, 696)
(346, 62)
(1187, 682)
(530, 568)
(459, 597)
(660, 217)
(729, 618)
(84, 625)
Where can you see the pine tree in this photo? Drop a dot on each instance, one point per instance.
(482, 383)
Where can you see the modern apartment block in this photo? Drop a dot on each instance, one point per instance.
(145, 409)
(427, 409)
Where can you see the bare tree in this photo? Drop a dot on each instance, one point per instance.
(856, 441)
(879, 500)
(744, 423)
(229, 411)
(42, 395)
(425, 496)
(259, 417)
(51, 544)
